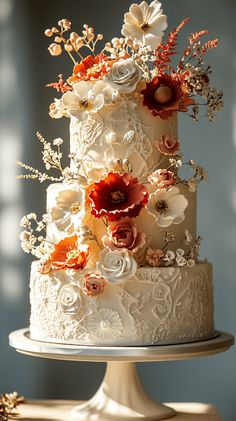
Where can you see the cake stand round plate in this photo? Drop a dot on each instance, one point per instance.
(120, 396)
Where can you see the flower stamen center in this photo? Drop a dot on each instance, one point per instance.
(145, 26)
(75, 208)
(105, 324)
(161, 206)
(84, 104)
(117, 197)
(72, 254)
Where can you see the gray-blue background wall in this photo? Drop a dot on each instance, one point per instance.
(25, 68)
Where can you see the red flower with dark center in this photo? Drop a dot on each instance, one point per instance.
(164, 95)
(117, 196)
(68, 254)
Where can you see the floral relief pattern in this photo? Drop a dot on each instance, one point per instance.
(105, 324)
(162, 305)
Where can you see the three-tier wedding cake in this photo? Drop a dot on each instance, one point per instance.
(117, 250)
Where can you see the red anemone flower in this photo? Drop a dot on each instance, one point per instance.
(69, 254)
(117, 196)
(164, 95)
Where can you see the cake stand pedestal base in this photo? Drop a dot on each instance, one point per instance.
(121, 398)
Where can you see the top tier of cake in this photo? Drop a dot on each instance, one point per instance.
(122, 130)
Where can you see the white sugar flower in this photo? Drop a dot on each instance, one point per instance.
(68, 212)
(167, 206)
(86, 97)
(116, 266)
(105, 324)
(145, 24)
(169, 258)
(180, 260)
(124, 75)
(56, 109)
(188, 237)
(69, 299)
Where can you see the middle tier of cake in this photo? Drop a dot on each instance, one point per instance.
(62, 199)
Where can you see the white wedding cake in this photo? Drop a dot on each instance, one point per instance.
(117, 249)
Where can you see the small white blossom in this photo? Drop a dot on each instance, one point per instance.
(188, 237)
(191, 263)
(180, 260)
(24, 222)
(31, 216)
(58, 141)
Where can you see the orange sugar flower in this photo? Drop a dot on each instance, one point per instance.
(91, 68)
(69, 254)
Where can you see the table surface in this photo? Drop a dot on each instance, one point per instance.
(60, 411)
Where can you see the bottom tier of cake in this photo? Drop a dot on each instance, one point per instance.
(164, 305)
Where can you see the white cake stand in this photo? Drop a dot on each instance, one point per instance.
(120, 396)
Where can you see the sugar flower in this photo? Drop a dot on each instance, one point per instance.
(68, 211)
(55, 49)
(154, 257)
(117, 196)
(167, 206)
(145, 24)
(164, 95)
(44, 266)
(91, 68)
(94, 284)
(162, 178)
(124, 75)
(69, 254)
(116, 266)
(86, 97)
(69, 299)
(168, 145)
(56, 109)
(123, 234)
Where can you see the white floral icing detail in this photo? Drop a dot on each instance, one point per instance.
(89, 131)
(162, 305)
(69, 210)
(124, 75)
(145, 24)
(116, 266)
(105, 324)
(116, 134)
(167, 206)
(69, 299)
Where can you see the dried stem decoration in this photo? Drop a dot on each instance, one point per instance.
(51, 158)
(8, 404)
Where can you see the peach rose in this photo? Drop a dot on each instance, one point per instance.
(123, 234)
(44, 266)
(154, 257)
(162, 178)
(94, 284)
(168, 145)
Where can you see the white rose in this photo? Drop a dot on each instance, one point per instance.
(116, 266)
(124, 75)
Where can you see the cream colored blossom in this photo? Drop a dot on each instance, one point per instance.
(145, 24)
(86, 97)
(167, 206)
(68, 211)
